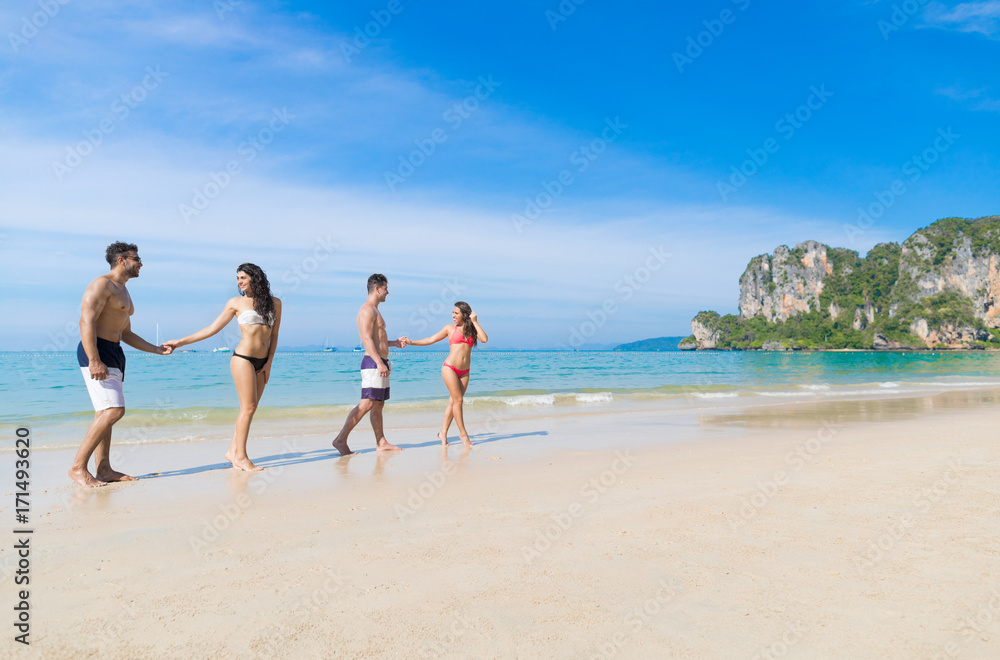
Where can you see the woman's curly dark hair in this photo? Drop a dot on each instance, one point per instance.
(260, 291)
(468, 329)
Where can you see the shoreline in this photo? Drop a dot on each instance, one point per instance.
(142, 427)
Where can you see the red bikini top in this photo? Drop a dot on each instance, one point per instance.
(462, 339)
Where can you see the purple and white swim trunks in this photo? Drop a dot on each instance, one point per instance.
(373, 386)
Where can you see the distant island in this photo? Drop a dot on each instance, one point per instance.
(658, 344)
(940, 289)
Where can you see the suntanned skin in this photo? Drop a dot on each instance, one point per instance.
(105, 313)
(371, 328)
(460, 357)
(258, 340)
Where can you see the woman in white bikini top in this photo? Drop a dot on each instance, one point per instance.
(258, 315)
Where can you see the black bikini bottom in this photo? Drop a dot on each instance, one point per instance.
(258, 363)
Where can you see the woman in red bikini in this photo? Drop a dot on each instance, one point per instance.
(455, 371)
(258, 314)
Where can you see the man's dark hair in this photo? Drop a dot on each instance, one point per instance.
(378, 279)
(118, 249)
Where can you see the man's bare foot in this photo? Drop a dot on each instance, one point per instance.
(341, 446)
(465, 440)
(113, 475)
(443, 438)
(383, 445)
(246, 465)
(84, 478)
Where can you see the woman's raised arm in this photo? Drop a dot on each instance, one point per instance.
(433, 339)
(224, 318)
(480, 333)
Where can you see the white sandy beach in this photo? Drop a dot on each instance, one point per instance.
(862, 529)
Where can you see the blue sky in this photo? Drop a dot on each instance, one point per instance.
(423, 151)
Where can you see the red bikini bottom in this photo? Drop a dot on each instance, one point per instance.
(461, 372)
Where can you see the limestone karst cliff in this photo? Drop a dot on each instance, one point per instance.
(939, 289)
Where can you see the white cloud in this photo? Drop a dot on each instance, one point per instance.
(556, 268)
(981, 17)
(975, 99)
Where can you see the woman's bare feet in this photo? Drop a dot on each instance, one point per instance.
(244, 463)
(443, 438)
(466, 442)
(84, 478)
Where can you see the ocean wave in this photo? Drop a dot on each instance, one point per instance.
(715, 395)
(817, 388)
(594, 397)
(889, 385)
(785, 394)
(880, 392)
(531, 400)
(989, 383)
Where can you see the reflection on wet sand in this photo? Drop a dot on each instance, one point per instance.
(796, 415)
(94, 500)
(448, 464)
(237, 481)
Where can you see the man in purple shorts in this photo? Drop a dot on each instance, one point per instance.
(104, 324)
(374, 367)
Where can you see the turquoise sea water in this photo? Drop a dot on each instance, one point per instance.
(48, 386)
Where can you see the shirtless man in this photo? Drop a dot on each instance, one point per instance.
(104, 323)
(374, 367)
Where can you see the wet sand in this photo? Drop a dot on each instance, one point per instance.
(863, 529)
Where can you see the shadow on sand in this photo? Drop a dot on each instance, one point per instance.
(299, 458)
